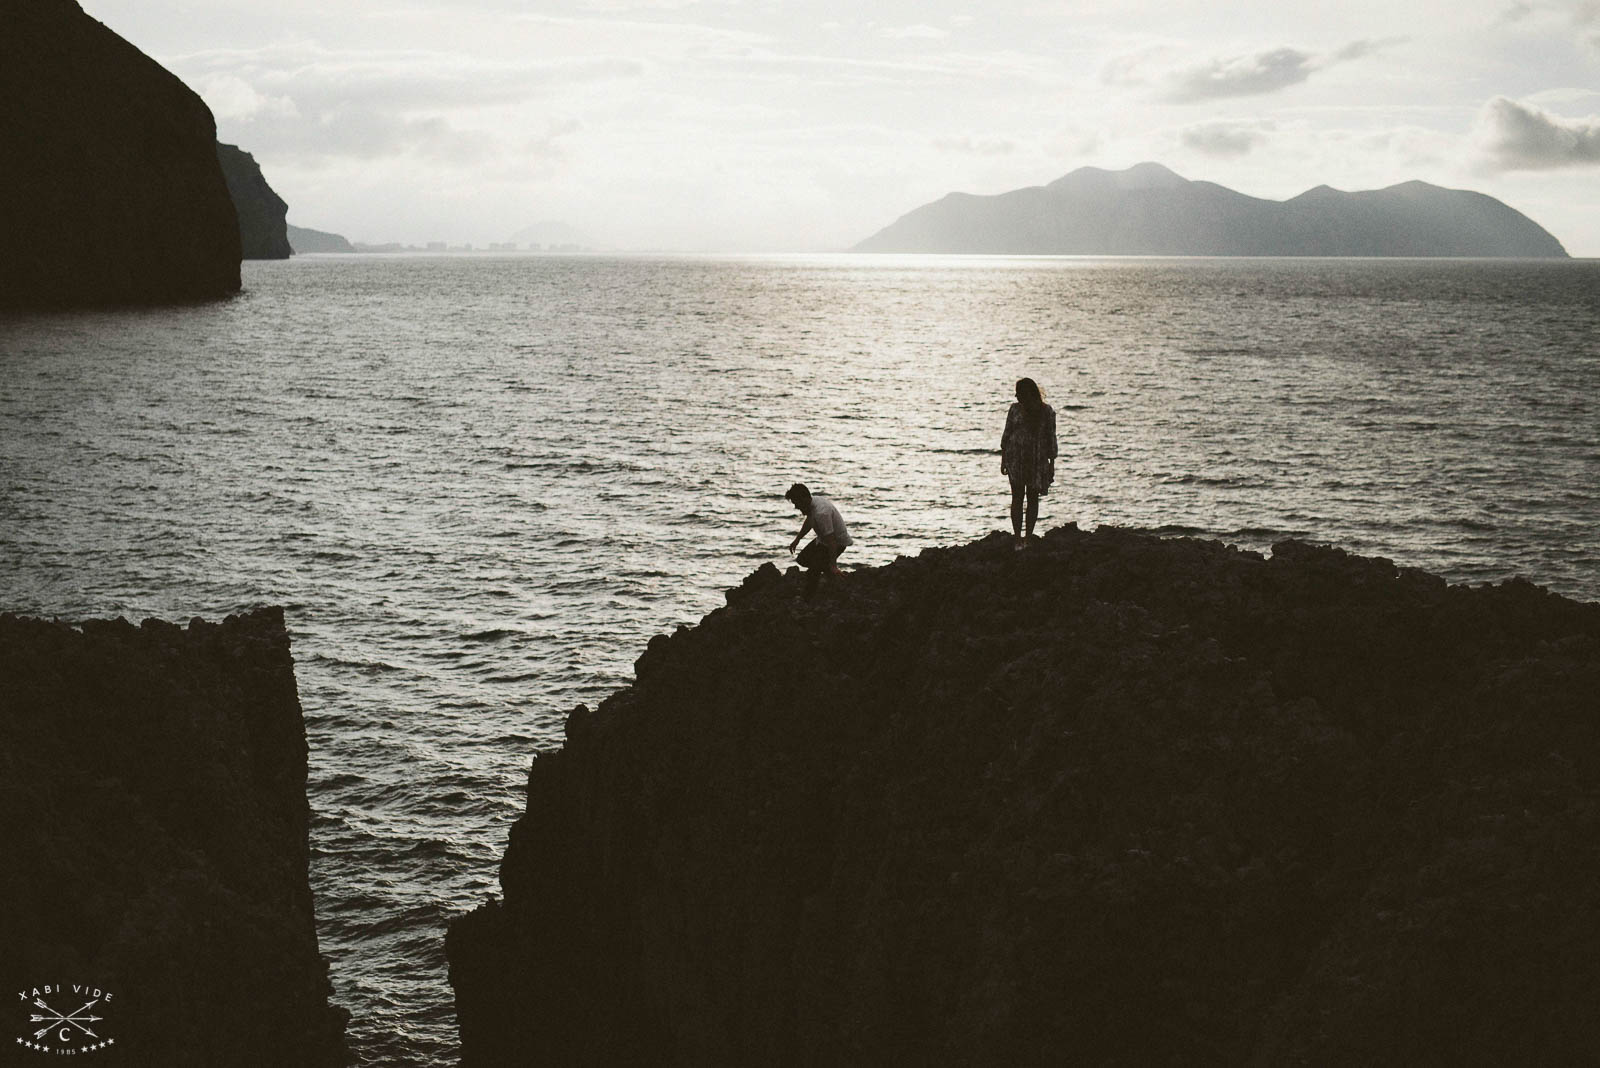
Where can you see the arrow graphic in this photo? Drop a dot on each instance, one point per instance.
(56, 1018)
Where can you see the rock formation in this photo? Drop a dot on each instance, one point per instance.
(1114, 799)
(112, 189)
(153, 823)
(262, 213)
(1148, 210)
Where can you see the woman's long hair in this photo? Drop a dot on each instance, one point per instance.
(1031, 397)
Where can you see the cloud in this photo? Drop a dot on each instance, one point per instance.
(642, 36)
(1520, 137)
(394, 79)
(1362, 49)
(1233, 76)
(431, 81)
(975, 146)
(1586, 16)
(1406, 147)
(1556, 97)
(359, 134)
(1264, 72)
(985, 71)
(610, 6)
(311, 105)
(1076, 143)
(1580, 15)
(231, 97)
(1132, 70)
(919, 32)
(544, 146)
(1224, 139)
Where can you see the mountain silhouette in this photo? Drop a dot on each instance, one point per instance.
(303, 240)
(1148, 210)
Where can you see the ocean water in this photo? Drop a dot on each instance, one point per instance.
(479, 485)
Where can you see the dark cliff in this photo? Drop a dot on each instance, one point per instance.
(1113, 799)
(1148, 210)
(263, 227)
(153, 821)
(112, 189)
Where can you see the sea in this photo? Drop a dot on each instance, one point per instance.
(478, 484)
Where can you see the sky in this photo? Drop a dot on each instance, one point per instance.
(764, 126)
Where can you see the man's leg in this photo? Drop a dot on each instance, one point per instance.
(813, 558)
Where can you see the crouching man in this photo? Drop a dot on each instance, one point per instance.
(832, 535)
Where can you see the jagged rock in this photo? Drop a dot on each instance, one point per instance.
(153, 823)
(1114, 799)
(112, 189)
(762, 580)
(263, 233)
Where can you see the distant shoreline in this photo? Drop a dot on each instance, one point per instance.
(972, 256)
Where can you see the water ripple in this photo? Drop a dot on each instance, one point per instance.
(481, 486)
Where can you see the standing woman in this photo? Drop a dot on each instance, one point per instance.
(1028, 454)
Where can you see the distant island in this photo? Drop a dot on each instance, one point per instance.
(1148, 210)
(442, 246)
(303, 240)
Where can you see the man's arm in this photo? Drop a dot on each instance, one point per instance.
(1005, 438)
(803, 528)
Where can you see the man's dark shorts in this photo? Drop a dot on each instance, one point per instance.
(817, 556)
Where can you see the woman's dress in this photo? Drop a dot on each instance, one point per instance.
(1028, 447)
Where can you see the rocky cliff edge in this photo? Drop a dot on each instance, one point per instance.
(1114, 799)
(112, 190)
(153, 823)
(263, 215)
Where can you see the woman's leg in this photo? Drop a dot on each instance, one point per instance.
(1016, 508)
(1033, 509)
